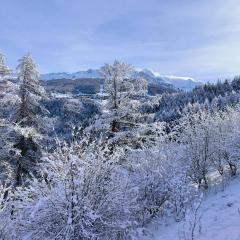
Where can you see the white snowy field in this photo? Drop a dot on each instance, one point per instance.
(220, 218)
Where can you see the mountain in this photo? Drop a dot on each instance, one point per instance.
(90, 73)
(181, 83)
(157, 83)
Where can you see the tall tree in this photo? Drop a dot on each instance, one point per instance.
(121, 88)
(27, 117)
(30, 91)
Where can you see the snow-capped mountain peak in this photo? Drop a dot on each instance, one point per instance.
(151, 72)
(180, 78)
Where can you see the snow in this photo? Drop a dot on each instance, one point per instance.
(61, 95)
(220, 218)
(151, 72)
(171, 77)
(155, 74)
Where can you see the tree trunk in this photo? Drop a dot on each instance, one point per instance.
(18, 172)
(205, 182)
(233, 169)
(114, 126)
(220, 170)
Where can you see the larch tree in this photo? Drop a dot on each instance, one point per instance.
(121, 88)
(27, 117)
(30, 91)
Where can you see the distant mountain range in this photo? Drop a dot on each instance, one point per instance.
(91, 73)
(154, 79)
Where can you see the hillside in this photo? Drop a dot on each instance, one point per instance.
(220, 216)
(108, 166)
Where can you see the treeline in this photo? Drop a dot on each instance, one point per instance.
(216, 96)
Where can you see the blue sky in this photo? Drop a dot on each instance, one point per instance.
(195, 38)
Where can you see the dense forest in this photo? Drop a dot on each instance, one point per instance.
(105, 166)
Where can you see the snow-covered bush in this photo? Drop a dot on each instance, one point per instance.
(81, 195)
(162, 179)
(211, 141)
(88, 191)
(181, 191)
(230, 140)
(7, 230)
(191, 226)
(195, 134)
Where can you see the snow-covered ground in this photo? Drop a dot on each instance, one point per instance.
(220, 218)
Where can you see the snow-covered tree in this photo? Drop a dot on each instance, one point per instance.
(9, 99)
(196, 135)
(121, 88)
(30, 91)
(228, 144)
(4, 70)
(28, 120)
(116, 84)
(211, 139)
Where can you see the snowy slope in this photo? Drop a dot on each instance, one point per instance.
(182, 83)
(220, 218)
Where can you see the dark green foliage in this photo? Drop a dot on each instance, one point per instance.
(27, 161)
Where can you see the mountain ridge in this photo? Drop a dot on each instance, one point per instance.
(182, 83)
